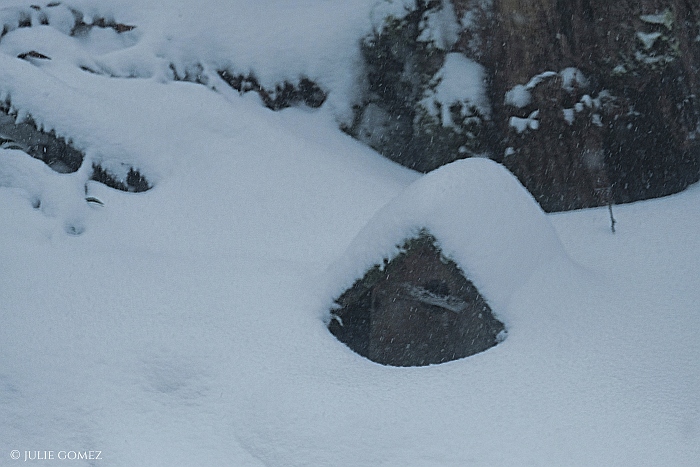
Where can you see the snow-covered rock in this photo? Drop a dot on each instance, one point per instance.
(481, 216)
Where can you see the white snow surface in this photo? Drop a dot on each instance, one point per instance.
(481, 216)
(276, 40)
(519, 96)
(441, 26)
(460, 80)
(184, 326)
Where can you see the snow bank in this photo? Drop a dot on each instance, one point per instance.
(182, 327)
(55, 195)
(483, 219)
(274, 40)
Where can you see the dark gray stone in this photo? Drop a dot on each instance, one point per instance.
(47, 147)
(636, 137)
(417, 309)
(60, 155)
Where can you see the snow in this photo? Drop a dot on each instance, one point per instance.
(569, 115)
(382, 10)
(440, 26)
(460, 80)
(184, 326)
(573, 78)
(521, 124)
(55, 195)
(482, 218)
(519, 96)
(664, 18)
(534, 81)
(276, 40)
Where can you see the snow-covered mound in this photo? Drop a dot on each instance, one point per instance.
(481, 216)
(55, 195)
(183, 326)
(273, 40)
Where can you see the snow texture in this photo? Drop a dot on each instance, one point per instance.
(184, 326)
(481, 216)
(519, 96)
(440, 27)
(522, 124)
(664, 18)
(460, 80)
(573, 78)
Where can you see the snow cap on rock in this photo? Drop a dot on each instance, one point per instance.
(482, 218)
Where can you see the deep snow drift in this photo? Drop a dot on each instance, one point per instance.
(185, 325)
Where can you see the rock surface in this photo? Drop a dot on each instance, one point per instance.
(628, 127)
(23, 134)
(415, 310)
(587, 102)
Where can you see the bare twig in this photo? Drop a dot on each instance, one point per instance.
(605, 195)
(612, 219)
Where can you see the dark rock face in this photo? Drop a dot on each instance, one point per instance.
(47, 147)
(590, 102)
(418, 309)
(132, 180)
(635, 137)
(282, 95)
(556, 141)
(403, 116)
(27, 17)
(59, 154)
